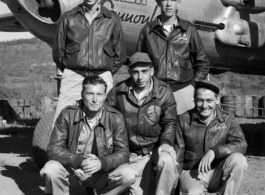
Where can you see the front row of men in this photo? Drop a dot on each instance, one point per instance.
(135, 142)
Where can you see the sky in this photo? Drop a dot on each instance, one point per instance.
(7, 36)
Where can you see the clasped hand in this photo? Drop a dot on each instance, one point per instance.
(205, 164)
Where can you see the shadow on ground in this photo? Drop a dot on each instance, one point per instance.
(255, 136)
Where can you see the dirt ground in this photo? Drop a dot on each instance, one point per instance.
(19, 174)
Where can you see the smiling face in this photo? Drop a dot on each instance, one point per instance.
(168, 7)
(93, 97)
(206, 102)
(141, 75)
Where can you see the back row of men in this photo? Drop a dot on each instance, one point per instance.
(144, 135)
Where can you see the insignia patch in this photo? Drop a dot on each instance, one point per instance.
(153, 113)
(182, 37)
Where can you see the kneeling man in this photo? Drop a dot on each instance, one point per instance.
(210, 146)
(149, 109)
(88, 144)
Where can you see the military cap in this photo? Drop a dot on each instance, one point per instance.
(207, 85)
(139, 57)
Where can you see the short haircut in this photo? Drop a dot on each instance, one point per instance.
(94, 80)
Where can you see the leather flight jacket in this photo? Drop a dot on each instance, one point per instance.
(194, 138)
(89, 49)
(153, 122)
(110, 134)
(179, 58)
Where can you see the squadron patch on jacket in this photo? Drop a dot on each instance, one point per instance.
(153, 113)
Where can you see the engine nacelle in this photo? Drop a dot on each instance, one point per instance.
(40, 17)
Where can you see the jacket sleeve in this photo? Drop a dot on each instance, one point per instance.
(59, 43)
(200, 61)
(179, 146)
(168, 119)
(57, 147)
(118, 46)
(120, 153)
(141, 42)
(235, 141)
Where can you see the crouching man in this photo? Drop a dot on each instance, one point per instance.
(88, 144)
(210, 146)
(149, 109)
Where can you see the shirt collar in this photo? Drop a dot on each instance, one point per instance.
(175, 24)
(183, 24)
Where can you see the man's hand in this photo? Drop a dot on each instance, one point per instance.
(91, 165)
(169, 149)
(205, 164)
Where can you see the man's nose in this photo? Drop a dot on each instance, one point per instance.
(94, 99)
(140, 76)
(204, 104)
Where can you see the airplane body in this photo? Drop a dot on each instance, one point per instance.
(232, 31)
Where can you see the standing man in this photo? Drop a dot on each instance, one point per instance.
(87, 146)
(149, 109)
(89, 41)
(176, 51)
(210, 146)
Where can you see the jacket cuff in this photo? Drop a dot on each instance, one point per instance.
(77, 162)
(216, 152)
(165, 142)
(104, 166)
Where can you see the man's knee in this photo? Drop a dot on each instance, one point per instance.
(52, 169)
(128, 175)
(237, 159)
(165, 160)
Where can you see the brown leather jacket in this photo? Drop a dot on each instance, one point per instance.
(151, 124)
(179, 58)
(194, 139)
(89, 49)
(111, 138)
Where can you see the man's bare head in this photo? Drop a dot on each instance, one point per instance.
(168, 8)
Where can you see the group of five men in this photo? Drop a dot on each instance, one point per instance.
(143, 136)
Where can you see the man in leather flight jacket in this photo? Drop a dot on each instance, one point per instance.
(177, 53)
(210, 146)
(88, 144)
(149, 109)
(89, 41)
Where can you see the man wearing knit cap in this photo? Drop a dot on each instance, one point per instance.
(210, 146)
(149, 110)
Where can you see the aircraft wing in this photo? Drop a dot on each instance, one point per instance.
(9, 23)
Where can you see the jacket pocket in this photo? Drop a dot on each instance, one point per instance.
(185, 64)
(190, 155)
(108, 51)
(73, 48)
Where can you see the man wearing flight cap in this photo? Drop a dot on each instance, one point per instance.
(149, 110)
(210, 146)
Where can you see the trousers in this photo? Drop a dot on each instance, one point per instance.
(184, 99)
(225, 179)
(71, 87)
(156, 174)
(58, 179)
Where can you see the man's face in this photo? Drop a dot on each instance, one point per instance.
(206, 102)
(141, 75)
(168, 7)
(91, 2)
(94, 96)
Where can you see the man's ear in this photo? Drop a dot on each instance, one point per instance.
(152, 71)
(218, 99)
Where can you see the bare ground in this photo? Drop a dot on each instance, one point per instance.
(19, 174)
